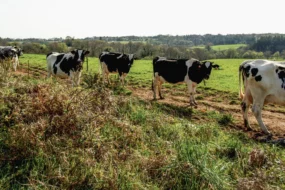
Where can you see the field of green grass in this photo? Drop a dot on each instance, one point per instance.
(98, 137)
(229, 46)
(223, 47)
(225, 79)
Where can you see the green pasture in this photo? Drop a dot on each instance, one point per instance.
(223, 47)
(224, 79)
(228, 46)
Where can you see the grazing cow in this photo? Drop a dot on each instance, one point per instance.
(264, 82)
(66, 64)
(115, 63)
(11, 53)
(190, 71)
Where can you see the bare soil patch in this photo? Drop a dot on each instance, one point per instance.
(272, 115)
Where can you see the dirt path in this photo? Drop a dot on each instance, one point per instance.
(272, 115)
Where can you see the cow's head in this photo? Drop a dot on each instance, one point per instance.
(79, 55)
(206, 69)
(18, 50)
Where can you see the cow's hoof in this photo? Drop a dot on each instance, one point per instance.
(269, 136)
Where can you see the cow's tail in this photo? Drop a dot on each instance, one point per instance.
(241, 76)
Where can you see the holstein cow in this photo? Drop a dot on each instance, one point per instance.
(11, 53)
(264, 82)
(115, 63)
(66, 64)
(190, 71)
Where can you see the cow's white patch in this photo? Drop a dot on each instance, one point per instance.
(207, 64)
(120, 56)
(189, 63)
(79, 55)
(131, 56)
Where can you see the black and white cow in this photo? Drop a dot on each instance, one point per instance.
(115, 63)
(66, 64)
(264, 82)
(11, 53)
(190, 71)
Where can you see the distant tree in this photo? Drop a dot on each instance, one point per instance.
(267, 54)
(57, 47)
(276, 55)
(68, 41)
(231, 53)
(283, 54)
(208, 47)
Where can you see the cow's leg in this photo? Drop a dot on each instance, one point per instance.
(159, 86)
(154, 88)
(72, 77)
(77, 78)
(121, 78)
(104, 71)
(194, 86)
(191, 92)
(124, 78)
(244, 108)
(159, 90)
(15, 63)
(256, 109)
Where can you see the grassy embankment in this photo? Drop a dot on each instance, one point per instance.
(56, 137)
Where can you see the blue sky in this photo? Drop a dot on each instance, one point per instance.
(87, 18)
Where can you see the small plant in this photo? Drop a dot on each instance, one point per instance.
(225, 119)
(92, 79)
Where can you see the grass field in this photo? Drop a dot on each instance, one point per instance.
(96, 137)
(225, 79)
(223, 47)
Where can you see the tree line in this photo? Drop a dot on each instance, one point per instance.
(258, 46)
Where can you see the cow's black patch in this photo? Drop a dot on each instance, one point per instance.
(117, 62)
(246, 71)
(254, 71)
(173, 71)
(281, 76)
(198, 72)
(258, 78)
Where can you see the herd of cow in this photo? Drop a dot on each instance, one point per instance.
(263, 80)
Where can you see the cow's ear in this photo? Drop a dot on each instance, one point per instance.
(73, 52)
(86, 52)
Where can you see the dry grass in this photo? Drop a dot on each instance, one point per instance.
(5, 71)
